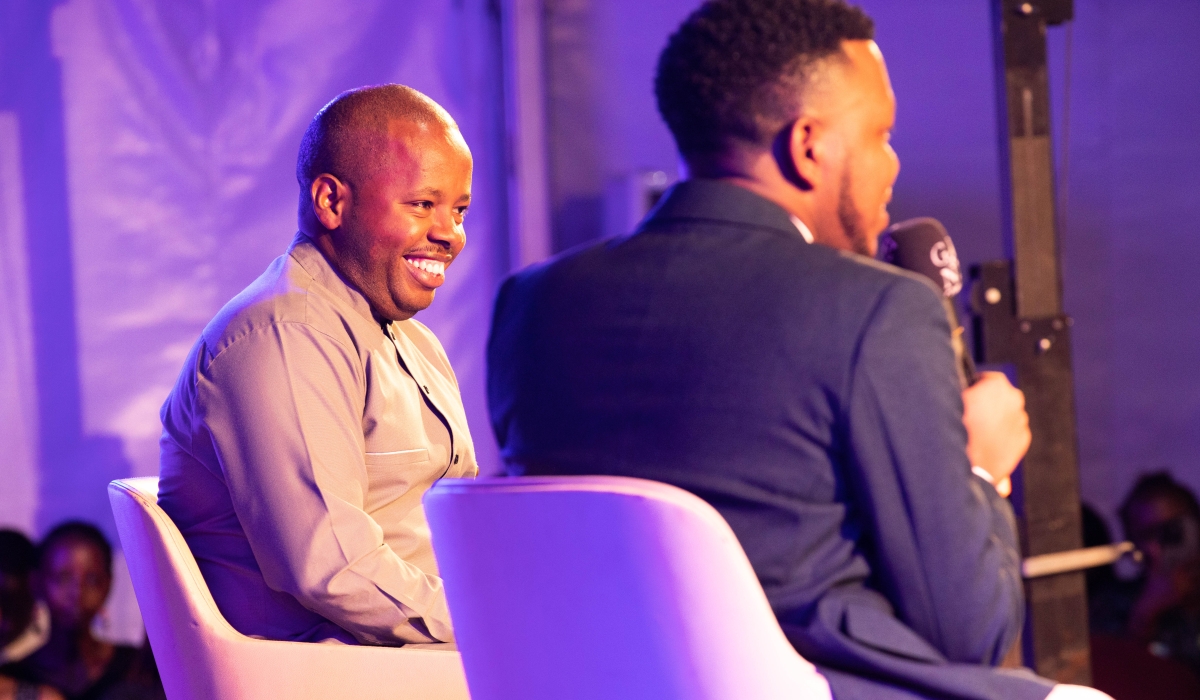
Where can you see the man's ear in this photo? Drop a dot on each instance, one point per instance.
(330, 197)
(803, 153)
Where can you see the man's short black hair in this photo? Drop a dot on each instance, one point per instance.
(18, 556)
(343, 139)
(735, 69)
(1154, 485)
(79, 531)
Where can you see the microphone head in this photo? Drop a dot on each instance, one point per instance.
(923, 246)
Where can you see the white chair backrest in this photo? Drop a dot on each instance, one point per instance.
(604, 588)
(182, 619)
(201, 657)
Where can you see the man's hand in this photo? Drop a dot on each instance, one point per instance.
(997, 427)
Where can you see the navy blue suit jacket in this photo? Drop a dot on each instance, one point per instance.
(810, 396)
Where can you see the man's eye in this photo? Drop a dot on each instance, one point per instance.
(461, 211)
(423, 205)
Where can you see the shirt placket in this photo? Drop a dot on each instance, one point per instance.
(427, 395)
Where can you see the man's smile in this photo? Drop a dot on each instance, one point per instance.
(427, 271)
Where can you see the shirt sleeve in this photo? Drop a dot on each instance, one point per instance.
(283, 407)
(941, 541)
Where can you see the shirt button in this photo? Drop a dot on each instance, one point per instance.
(456, 459)
(425, 388)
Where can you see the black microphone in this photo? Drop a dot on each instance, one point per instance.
(923, 246)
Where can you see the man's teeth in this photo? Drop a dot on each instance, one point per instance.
(435, 267)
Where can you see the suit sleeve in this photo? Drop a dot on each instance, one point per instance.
(941, 541)
(283, 408)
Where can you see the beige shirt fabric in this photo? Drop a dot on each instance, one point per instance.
(297, 444)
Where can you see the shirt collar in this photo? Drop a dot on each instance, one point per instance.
(717, 200)
(309, 257)
(802, 228)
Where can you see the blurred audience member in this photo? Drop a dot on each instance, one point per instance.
(1162, 518)
(73, 576)
(1121, 666)
(24, 623)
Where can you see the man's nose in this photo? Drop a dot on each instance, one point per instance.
(445, 229)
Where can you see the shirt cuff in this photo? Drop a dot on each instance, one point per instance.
(1003, 487)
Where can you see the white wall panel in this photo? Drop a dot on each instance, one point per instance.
(18, 398)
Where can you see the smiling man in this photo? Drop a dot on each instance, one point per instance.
(314, 411)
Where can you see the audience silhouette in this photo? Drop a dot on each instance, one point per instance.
(24, 622)
(73, 577)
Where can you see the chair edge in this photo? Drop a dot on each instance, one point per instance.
(163, 523)
(619, 485)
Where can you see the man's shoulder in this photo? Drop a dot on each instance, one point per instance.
(881, 277)
(279, 295)
(289, 293)
(562, 264)
(814, 272)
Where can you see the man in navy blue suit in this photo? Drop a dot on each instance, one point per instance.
(741, 344)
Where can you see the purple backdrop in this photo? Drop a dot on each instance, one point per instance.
(147, 146)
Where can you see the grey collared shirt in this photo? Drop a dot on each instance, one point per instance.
(296, 446)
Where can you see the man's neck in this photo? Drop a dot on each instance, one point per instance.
(759, 173)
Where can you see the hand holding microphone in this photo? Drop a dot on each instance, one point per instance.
(993, 409)
(997, 427)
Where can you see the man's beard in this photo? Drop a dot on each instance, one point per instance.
(851, 219)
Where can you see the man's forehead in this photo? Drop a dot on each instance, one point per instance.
(415, 136)
(867, 65)
(409, 155)
(851, 80)
(405, 143)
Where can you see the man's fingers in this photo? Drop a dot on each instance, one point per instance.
(997, 425)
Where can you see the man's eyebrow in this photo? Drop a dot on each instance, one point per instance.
(433, 193)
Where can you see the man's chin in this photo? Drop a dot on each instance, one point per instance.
(864, 243)
(865, 240)
(870, 244)
(410, 305)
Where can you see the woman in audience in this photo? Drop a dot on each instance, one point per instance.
(24, 624)
(74, 575)
(1162, 517)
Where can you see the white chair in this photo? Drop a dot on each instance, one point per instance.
(606, 588)
(201, 657)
